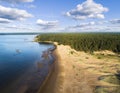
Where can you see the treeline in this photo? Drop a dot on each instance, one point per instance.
(87, 42)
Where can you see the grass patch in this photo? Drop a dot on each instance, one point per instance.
(71, 52)
(113, 79)
(73, 66)
(86, 57)
(99, 57)
(101, 89)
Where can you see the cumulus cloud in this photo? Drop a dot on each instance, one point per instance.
(2, 20)
(47, 24)
(7, 13)
(88, 9)
(17, 1)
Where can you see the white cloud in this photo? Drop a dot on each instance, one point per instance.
(115, 21)
(86, 28)
(17, 1)
(13, 13)
(83, 25)
(88, 9)
(31, 6)
(20, 27)
(47, 24)
(99, 26)
(2, 20)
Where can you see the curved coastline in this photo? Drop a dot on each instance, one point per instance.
(49, 84)
(74, 70)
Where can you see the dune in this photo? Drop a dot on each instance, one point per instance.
(80, 72)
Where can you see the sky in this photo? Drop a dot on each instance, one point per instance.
(59, 16)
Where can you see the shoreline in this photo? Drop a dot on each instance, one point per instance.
(51, 71)
(50, 84)
(79, 72)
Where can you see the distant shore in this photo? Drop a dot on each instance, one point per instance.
(80, 72)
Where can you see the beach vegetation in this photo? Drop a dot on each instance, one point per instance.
(87, 42)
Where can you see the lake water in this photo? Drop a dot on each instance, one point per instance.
(23, 66)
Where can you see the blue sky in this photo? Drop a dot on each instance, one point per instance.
(59, 16)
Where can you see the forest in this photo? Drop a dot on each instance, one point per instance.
(88, 42)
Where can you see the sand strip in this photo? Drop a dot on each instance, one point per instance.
(78, 72)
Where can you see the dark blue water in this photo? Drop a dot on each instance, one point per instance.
(22, 63)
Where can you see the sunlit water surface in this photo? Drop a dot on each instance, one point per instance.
(22, 66)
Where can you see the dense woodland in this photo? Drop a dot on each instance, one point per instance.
(87, 42)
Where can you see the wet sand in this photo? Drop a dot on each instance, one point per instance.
(51, 83)
(79, 72)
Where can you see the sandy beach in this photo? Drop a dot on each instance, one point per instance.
(80, 72)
